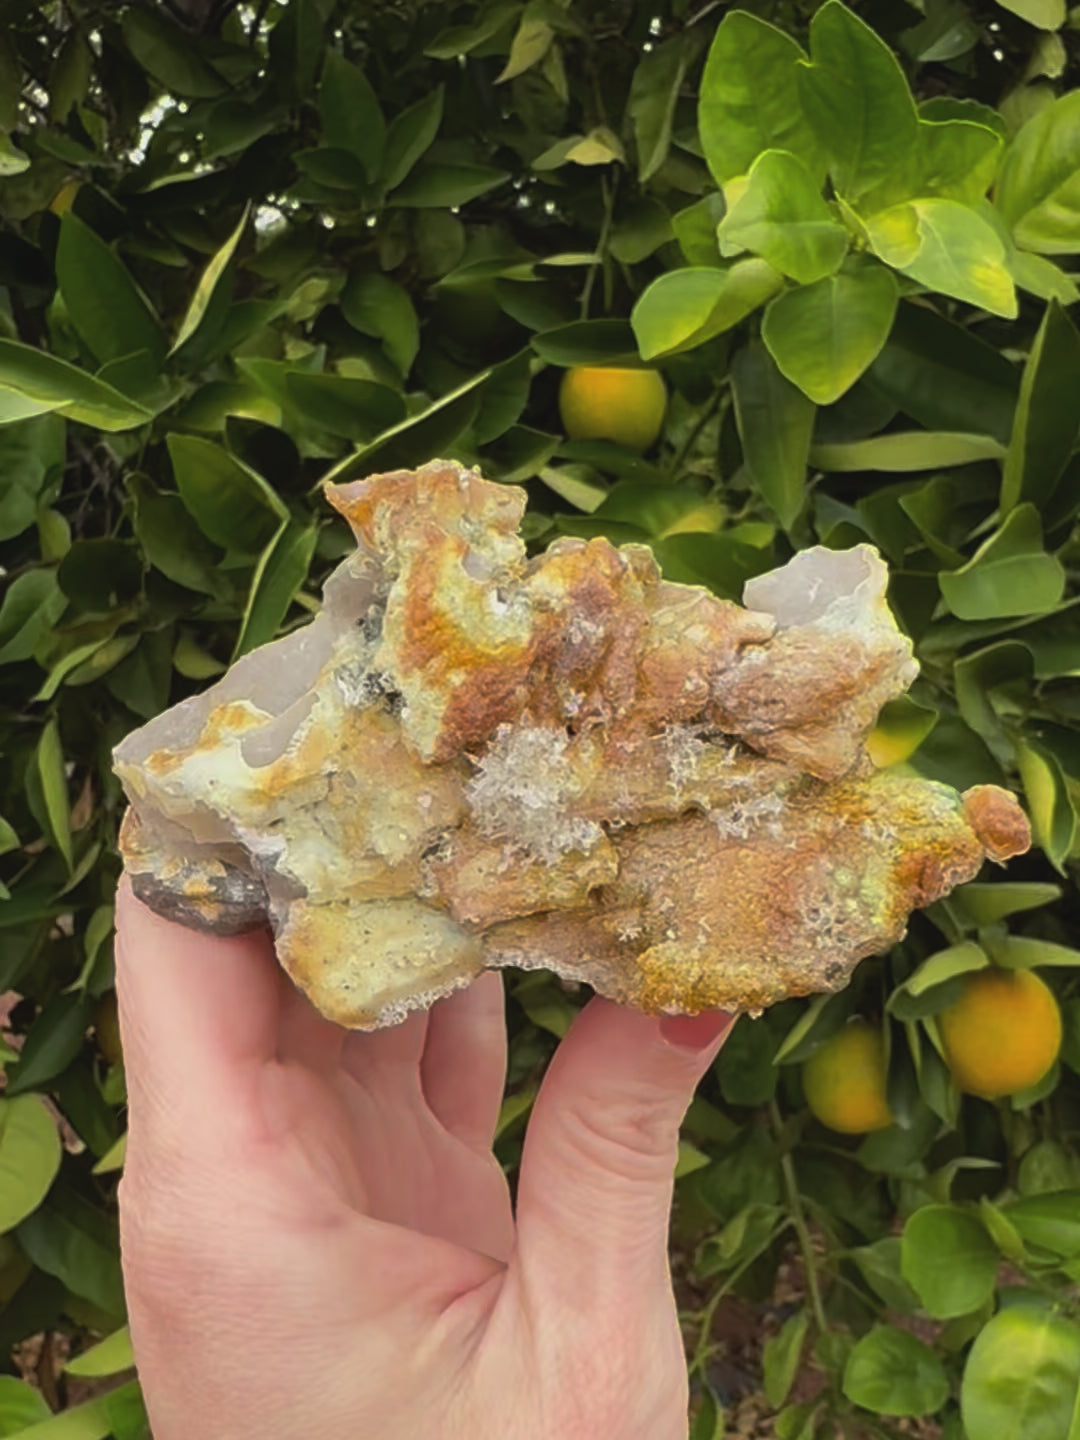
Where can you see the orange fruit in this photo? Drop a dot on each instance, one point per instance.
(844, 1080)
(604, 402)
(1003, 1034)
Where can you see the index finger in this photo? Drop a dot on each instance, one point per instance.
(198, 1013)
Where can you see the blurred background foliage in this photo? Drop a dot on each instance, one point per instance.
(245, 248)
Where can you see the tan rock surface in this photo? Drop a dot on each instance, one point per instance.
(474, 759)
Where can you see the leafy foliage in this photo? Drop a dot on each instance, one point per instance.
(246, 249)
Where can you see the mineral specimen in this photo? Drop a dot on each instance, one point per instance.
(474, 759)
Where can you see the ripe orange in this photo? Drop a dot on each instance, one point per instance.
(1003, 1034)
(844, 1080)
(603, 402)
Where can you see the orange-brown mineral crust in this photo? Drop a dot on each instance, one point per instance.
(473, 759)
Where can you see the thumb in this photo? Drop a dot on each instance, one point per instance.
(597, 1171)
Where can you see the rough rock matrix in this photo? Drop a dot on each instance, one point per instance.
(472, 759)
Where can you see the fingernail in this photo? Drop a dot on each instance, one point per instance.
(695, 1032)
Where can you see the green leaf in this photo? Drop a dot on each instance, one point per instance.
(586, 342)
(104, 305)
(822, 1017)
(1041, 277)
(949, 1260)
(356, 409)
(55, 1038)
(142, 681)
(30, 1152)
(530, 44)
(49, 768)
(378, 306)
(206, 313)
(902, 725)
(282, 569)
(13, 161)
(695, 229)
(945, 378)
(1050, 806)
(892, 1373)
(643, 225)
(1005, 667)
(1051, 1221)
(654, 93)
(823, 336)
(780, 1358)
(945, 965)
(683, 308)
(1043, 14)
(171, 55)
(749, 98)
(503, 398)
(744, 1068)
(352, 118)
(108, 1357)
(463, 39)
(879, 1265)
(32, 453)
(709, 1421)
(418, 439)
(991, 903)
(720, 562)
(69, 1238)
(857, 99)
(1021, 1377)
(36, 376)
(782, 217)
(20, 1405)
(335, 168)
(745, 1236)
(906, 450)
(1009, 574)
(1047, 417)
(408, 136)
(1047, 1167)
(233, 505)
(1038, 189)
(114, 1157)
(126, 1410)
(441, 186)
(949, 248)
(32, 604)
(171, 540)
(775, 421)
(1021, 952)
(689, 1159)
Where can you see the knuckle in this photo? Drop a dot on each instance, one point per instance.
(635, 1139)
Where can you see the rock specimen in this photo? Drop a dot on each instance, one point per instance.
(473, 759)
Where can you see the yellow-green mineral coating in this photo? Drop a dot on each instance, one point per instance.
(471, 759)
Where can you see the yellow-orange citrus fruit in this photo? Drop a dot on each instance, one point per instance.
(844, 1080)
(602, 402)
(1003, 1034)
(107, 1028)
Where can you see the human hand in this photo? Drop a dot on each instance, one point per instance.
(317, 1239)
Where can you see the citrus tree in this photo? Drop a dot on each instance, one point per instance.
(726, 283)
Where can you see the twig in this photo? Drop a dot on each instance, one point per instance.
(798, 1220)
(708, 410)
(609, 191)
